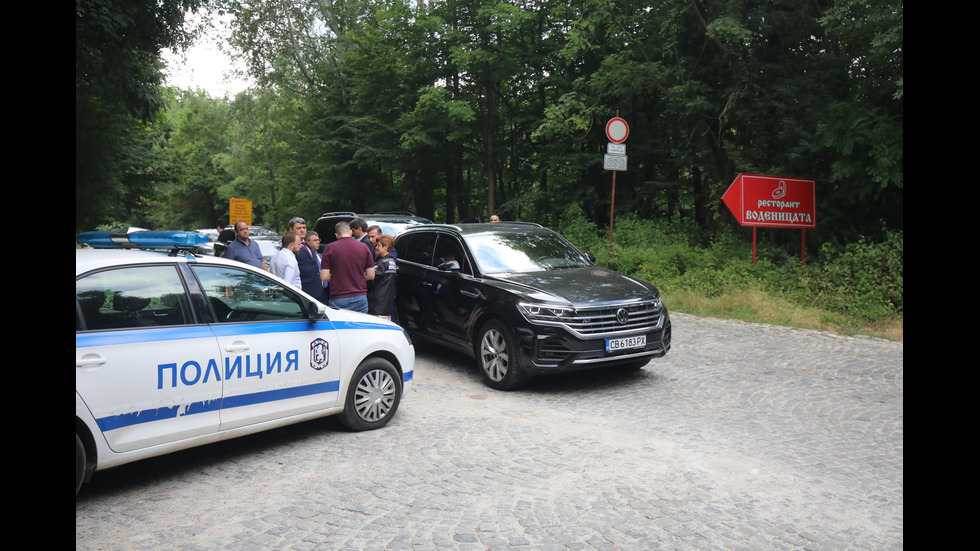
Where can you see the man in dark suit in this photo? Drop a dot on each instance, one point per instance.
(309, 263)
(359, 231)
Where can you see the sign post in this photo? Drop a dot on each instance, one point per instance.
(615, 160)
(773, 202)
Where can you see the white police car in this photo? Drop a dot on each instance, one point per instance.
(174, 351)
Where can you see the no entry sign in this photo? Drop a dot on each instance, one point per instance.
(617, 130)
(773, 201)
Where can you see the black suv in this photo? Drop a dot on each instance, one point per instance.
(391, 223)
(523, 301)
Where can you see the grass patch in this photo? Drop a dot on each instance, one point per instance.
(852, 289)
(760, 307)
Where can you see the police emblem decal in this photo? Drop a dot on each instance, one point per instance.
(319, 354)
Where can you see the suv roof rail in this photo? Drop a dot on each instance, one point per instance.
(460, 226)
(354, 214)
(500, 224)
(517, 223)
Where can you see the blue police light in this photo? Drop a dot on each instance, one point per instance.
(167, 239)
(142, 239)
(98, 239)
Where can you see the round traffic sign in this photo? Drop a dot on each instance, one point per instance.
(617, 130)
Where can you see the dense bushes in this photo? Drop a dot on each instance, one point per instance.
(862, 280)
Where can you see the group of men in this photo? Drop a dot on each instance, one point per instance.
(342, 275)
(339, 276)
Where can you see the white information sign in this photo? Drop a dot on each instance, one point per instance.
(614, 162)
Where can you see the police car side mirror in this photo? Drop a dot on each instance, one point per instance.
(317, 311)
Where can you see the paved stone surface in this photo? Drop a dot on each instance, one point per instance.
(744, 437)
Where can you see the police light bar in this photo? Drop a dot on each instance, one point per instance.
(142, 239)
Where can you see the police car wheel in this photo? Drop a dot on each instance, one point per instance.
(373, 395)
(79, 463)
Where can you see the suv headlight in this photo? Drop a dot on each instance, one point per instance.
(544, 312)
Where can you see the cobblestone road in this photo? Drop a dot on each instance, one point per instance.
(744, 437)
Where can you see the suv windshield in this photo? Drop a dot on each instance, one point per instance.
(531, 251)
(394, 227)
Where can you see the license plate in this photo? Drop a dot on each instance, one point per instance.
(626, 343)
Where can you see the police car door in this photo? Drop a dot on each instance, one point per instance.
(276, 362)
(142, 364)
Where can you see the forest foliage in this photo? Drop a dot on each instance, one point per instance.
(460, 108)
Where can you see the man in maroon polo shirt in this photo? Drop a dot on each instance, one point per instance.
(348, 265)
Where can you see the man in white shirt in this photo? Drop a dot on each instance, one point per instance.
(284, 263)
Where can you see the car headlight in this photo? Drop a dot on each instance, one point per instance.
(544, 312)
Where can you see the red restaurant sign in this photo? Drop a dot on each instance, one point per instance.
(773, 201)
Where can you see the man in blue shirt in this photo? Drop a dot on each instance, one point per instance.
(244, 249)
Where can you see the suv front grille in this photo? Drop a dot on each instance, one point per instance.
(599, 320)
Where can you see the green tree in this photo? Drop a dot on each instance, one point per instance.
(199, 138)
(269, 158)
(117, 97)
(459, 107)
(863, 129)
(716, 87)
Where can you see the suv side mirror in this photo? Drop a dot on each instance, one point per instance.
(451, 266)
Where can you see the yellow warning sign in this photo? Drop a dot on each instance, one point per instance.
(240, 211)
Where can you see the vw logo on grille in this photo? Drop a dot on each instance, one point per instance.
(622, 316)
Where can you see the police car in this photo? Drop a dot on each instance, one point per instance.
(174, 350)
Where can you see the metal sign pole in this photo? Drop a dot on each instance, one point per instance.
(612, 208)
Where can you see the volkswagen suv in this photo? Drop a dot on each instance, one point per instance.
(523, 301)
